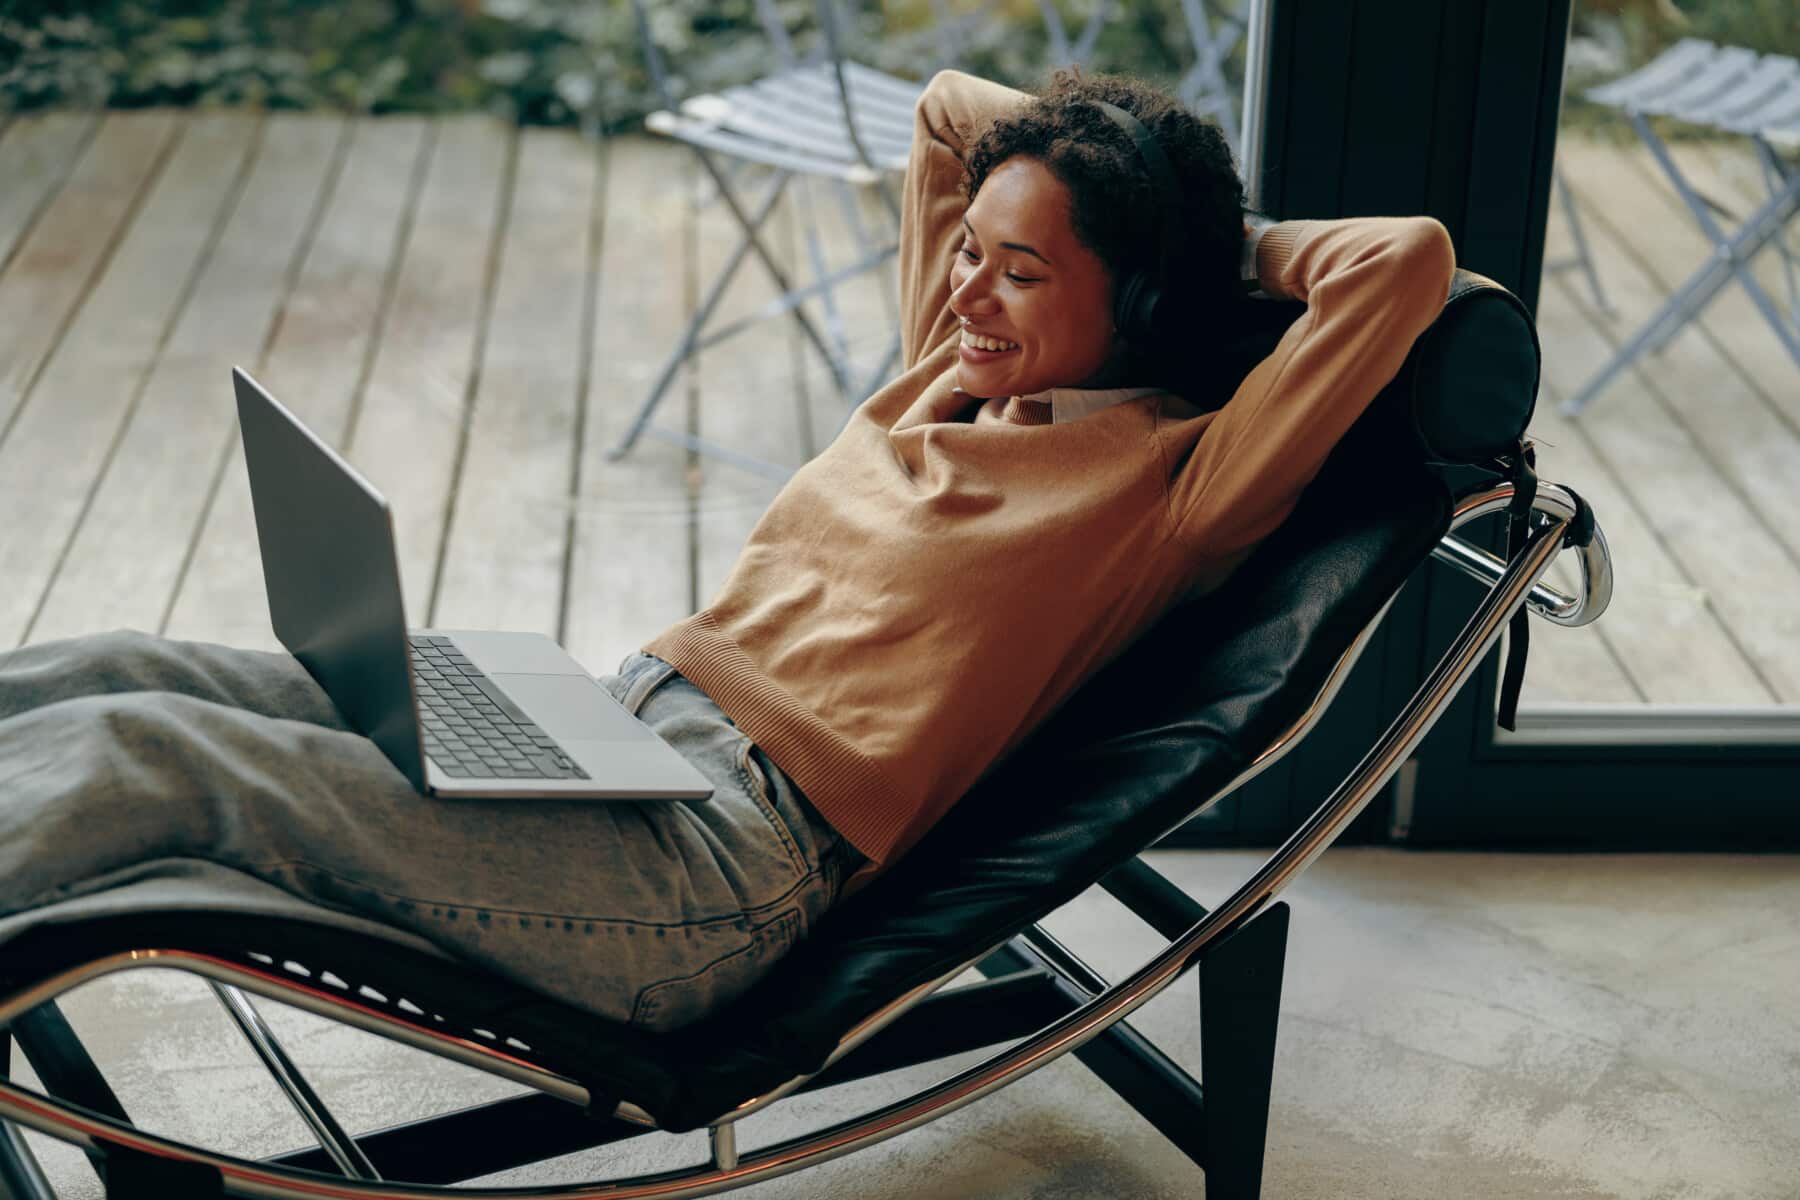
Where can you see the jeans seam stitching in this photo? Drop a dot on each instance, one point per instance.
(647, 1003)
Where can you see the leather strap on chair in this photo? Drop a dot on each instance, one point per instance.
(1521, 468)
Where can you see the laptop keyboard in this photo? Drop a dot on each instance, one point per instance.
(468, 733)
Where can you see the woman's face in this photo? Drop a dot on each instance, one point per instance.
(1036, 304)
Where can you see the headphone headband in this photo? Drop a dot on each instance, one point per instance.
(1162, 180)
(1140, 293)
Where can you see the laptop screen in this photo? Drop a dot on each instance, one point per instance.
(333, 578)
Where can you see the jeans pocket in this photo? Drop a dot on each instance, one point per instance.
(642, 676)
(753, 768)
(684, 999)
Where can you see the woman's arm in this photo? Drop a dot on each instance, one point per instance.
(1371, 285)
(951, 114)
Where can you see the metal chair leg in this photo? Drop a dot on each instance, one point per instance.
(1203, 89)
(776, 272)
(21, 1177)
(333, 1138)
(1583, 256)
(690, 336)
(1693, 295)
(789, 300)
(1776, 173)
(1240, 1008)
(1736, 251)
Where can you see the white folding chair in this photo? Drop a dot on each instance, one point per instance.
(1732, 90)
(1215, 27)
(821, 117)
(1065, 52)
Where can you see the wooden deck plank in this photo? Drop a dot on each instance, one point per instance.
(509, 524)
(148, 506)
(61, 439)
(1705, 527)
(37, 152)
(410, 421)
(629, 572)
(49, 272)
(315, 364)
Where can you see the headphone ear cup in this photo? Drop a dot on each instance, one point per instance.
(1134, 309)
(1125, 305)
(1149, 301)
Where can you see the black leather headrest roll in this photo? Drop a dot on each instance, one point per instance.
(1466, 390)
(1469, 386)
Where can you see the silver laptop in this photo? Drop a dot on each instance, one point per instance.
(461, 714)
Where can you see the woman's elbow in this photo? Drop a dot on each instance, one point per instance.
(1429, 255)
(939, 99)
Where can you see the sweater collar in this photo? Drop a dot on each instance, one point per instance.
(1072, 404)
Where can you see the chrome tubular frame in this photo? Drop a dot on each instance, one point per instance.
(1515, 584)
(332, 1137)
(1548, 602)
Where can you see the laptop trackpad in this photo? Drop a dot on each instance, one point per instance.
(572, 706)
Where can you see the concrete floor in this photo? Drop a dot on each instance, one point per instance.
(1476, 1025)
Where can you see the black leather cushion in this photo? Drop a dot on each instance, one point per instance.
(1468, 387)
(1149, 739)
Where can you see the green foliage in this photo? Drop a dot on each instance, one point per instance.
(558, 61)
(529, 59)
(538, 61)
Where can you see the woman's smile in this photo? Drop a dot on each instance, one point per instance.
(978, 348)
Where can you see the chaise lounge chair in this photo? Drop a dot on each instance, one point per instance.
(1216, 692)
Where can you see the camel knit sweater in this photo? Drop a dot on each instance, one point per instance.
(930, 587)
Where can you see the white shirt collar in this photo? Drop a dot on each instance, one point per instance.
(1072, 404)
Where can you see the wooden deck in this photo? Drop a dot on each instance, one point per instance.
(472, 314)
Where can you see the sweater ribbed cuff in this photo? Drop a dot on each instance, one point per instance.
(1273, 251)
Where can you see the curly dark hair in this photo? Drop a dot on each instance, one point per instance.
(1116, 210)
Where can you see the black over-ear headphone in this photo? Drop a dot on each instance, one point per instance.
(1138, 297)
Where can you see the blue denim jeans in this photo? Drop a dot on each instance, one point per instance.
(121, 748)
